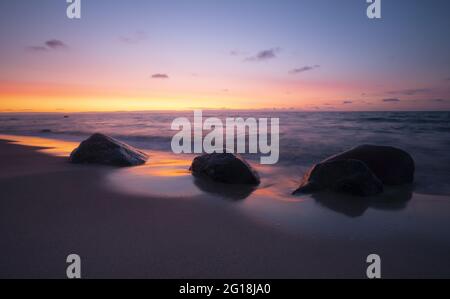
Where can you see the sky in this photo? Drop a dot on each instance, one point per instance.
(224, 54)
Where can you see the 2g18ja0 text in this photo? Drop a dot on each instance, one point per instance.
(248, 289)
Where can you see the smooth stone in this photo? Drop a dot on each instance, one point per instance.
(391, 165)
(225, 168)
(105, 150)
(344, 176)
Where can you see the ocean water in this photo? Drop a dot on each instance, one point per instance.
(305, 137)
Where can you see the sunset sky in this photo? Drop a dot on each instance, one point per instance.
(249, 54)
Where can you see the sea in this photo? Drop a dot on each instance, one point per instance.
(305, 137)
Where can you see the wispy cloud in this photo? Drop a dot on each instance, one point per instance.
(347, 102)
(55, 44)
(237, 53)
(52, 44)
(304, 69)
(410, 92)
(36, 49)
(391, 100)
(134, 38)
(160, 76)
(264, 55)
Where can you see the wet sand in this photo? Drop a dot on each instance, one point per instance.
(50, 209)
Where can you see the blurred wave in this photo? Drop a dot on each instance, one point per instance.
(305, 137)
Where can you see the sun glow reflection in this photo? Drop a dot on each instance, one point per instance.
(53, 147)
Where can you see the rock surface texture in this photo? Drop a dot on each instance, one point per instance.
(105, 150)
(360, 171)
(345, 176)
(391, 165)
(225, 168)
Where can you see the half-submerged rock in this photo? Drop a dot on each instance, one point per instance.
(225, 168)
(102, 149)
(391, 165)
(345, 176)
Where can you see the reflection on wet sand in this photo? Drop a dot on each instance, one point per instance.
(53, 147)
(226, 191)
(168, 175)
(164, 175)
(162, 164)
(393, 198)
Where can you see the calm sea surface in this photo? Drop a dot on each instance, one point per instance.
(305, 137)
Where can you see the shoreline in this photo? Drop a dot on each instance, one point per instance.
(50, 209)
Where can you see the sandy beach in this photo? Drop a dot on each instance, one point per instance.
(253, 140)
(50, 209)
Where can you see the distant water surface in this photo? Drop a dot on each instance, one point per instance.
(305, 137)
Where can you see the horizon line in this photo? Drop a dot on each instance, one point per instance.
(210, 109)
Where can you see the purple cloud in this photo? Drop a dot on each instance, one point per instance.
(410, 92)
(160, 76)
(391, 100)
(36, 49)
(264, 55)
(347, 102)
(304, 69)
(52, 44)
(55, 44)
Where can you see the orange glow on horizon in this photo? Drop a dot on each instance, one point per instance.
(66, 98)
(49, 97)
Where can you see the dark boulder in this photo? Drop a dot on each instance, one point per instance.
(225, 168)
(345, 176)
(391, 165)
(102, 149)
